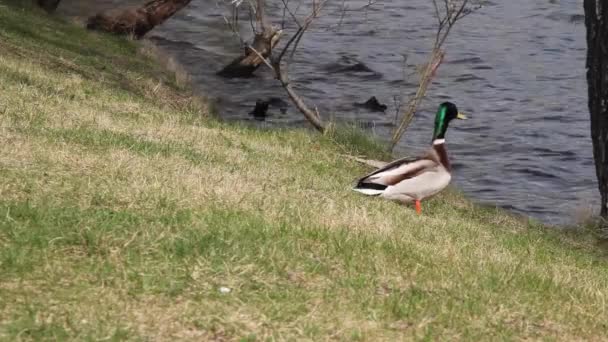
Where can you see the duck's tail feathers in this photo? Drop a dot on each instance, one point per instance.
(370, 189)
(369, 192)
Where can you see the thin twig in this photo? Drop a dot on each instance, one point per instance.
(293, 15)
(371, 162)
(261, 15)
(297, 42)
(437, 12)
(251, 15)
(289, 42)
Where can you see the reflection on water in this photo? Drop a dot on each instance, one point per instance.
(516, 66)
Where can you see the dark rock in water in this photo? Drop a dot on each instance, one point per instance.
(372, 104)
(260, 112)
(278, 103)
(357, 67)
(349, 65)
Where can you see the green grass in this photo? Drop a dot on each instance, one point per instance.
(125, 208)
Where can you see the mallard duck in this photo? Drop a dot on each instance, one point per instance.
(410, 180)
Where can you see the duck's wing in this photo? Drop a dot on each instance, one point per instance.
(423, 185)
(398, 171)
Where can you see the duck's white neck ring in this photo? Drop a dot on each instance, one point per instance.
(438, 141)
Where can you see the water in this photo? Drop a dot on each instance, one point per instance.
(518, 67)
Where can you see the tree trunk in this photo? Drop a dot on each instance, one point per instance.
(136, 20)
(245, 65)
(49, 5)
(266, 38)
(596, 21)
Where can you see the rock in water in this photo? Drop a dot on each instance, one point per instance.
(260, 112)
(372, 104)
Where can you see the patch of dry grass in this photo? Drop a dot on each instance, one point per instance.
(124, 210)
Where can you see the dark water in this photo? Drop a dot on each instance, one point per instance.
(516, 66)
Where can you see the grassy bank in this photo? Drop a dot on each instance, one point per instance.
(125, 213)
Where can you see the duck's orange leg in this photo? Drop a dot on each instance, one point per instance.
(418, 207)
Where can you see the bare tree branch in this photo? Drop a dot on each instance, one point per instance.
(370, 162)
(454, 11)
(266, 61)
(437, 15)
(261, 18)
(293, 15)
(311, 116)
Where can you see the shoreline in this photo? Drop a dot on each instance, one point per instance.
(476, 175)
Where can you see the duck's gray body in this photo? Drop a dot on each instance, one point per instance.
(410, 179)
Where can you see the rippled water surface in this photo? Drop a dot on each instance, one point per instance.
(516, 66)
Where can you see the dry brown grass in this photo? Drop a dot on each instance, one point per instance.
(124, 209)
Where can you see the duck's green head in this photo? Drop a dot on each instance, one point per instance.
(447, 112)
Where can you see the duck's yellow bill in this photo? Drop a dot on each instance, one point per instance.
(461, 116)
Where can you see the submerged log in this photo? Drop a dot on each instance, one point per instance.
(48, 5)
(245, 65)
(137, 20)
